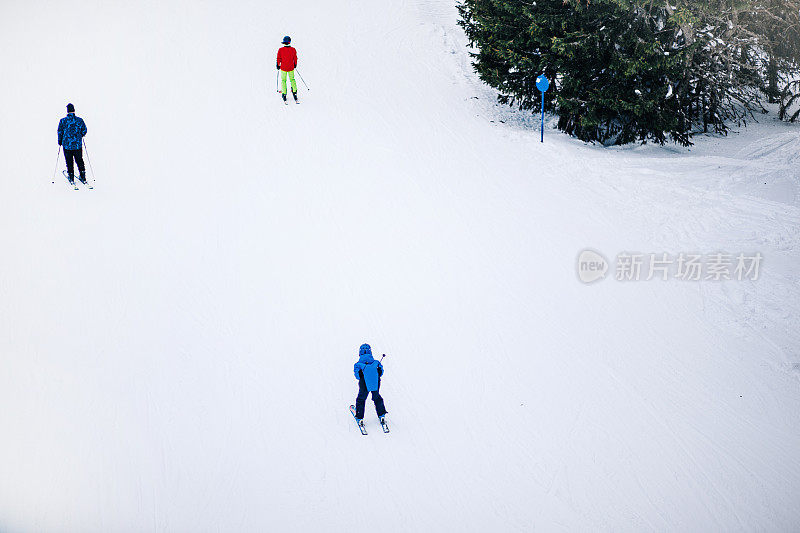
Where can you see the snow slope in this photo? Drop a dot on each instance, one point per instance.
(176, 345)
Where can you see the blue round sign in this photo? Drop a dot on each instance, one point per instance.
(542, 83)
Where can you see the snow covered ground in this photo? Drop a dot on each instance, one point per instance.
(176, 346)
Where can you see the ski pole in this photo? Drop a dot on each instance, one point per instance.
(277, 87)
(301, 79)
(56, 166)
(381, 361)
(88, 160)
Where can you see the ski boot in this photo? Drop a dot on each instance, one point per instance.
(283, 95)
(83, 180)
(71, 179)
(294, 93)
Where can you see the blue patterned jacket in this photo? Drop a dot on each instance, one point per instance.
(71, 130)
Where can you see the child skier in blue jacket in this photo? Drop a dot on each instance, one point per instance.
(368, 372)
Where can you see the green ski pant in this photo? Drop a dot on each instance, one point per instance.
(291, 79)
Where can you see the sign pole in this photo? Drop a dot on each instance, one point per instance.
(542, 118)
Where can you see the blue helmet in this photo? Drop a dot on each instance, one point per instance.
(287, 40)
(364, 349)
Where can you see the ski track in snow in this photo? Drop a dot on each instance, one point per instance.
(177, 343)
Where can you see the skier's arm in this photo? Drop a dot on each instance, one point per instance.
(380, 369)
(278, 60)
(83, 128)
(60, 131)
(295, 59)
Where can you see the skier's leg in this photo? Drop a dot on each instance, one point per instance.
(291, 79)
(283, 82)
(380, 408)
(68, 156)
(81, 166)
(361, 399)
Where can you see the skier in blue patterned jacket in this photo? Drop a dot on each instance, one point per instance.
(368, 372)
(71, 130)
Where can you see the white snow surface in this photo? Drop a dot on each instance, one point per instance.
(176, 346)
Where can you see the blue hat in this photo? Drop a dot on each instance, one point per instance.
(364, 349)
(70, 108)
(287, 40)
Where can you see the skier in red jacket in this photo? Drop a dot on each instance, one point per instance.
(286, 63)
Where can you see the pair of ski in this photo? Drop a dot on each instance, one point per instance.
(360, 423)
(75, 183)
(286, 100)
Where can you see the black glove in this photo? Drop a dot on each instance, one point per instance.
(278, 67)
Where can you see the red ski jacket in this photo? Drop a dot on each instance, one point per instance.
(287, 58)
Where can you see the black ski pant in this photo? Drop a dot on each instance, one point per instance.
(76, 156)
(361, 399)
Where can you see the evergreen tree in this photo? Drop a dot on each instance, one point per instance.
(611, 62)
(777, 23)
